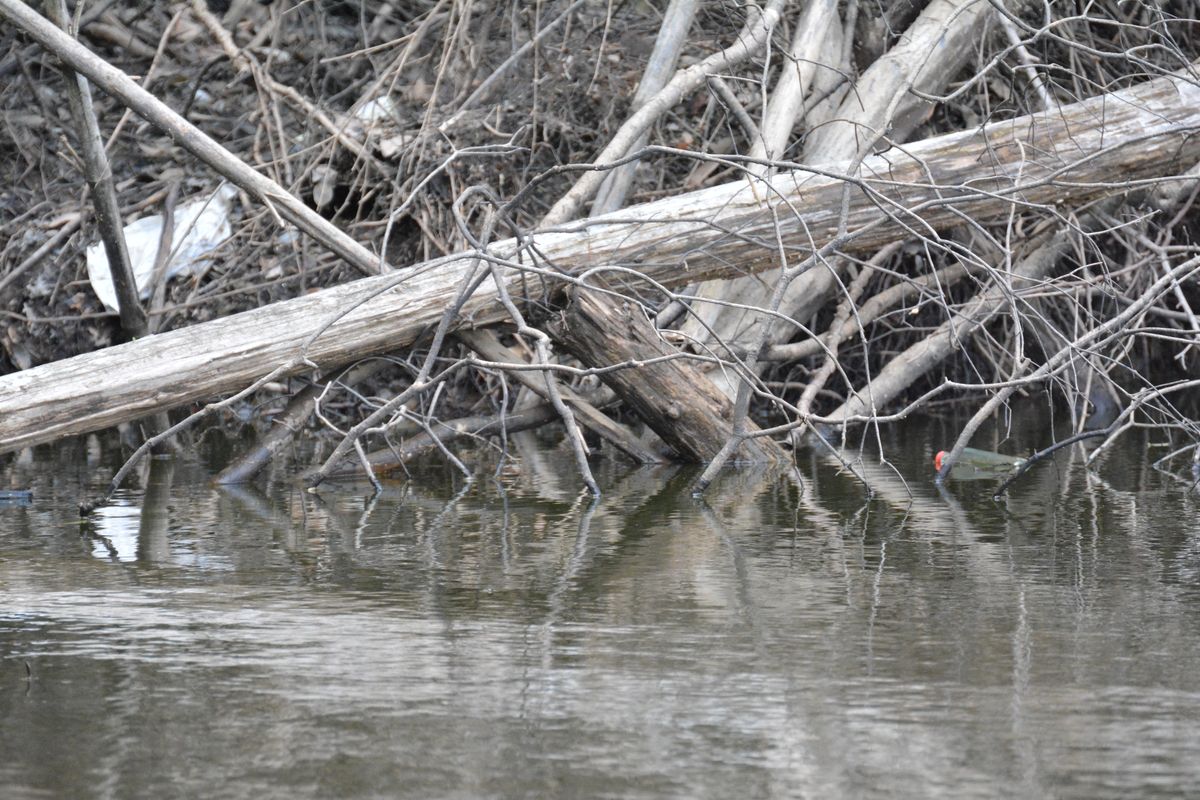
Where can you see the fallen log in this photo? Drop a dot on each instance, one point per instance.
(389, 460)
(487, 345)
(675, 399)
(1088, 149)
(885, 101)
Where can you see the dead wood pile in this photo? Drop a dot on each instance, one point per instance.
(394, 134)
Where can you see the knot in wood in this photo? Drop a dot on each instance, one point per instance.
(674, 411)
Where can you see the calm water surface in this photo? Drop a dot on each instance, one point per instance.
(510, 639)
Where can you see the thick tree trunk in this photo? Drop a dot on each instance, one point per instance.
(1065, 156)
(673, 397)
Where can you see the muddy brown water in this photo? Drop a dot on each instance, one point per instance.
(510, 639)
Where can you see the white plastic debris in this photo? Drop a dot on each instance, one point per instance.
(379, 109)
(200, 225)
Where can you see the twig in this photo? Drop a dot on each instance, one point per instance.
(1046, 453)
(103, 190)
(189, 137)
(1063, 356)
(441, 433)
(187, 422)
(751, 39)
(47, 247)
(158, 276)
(672, 35)
(245, 60)
(735, 106)
(285, 425)
(486, 344)
(489, 84)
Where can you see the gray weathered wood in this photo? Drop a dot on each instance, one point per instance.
(103, 188)
(673, 397)
(1073, 153)
(672, 35)
(116, 83)
(931, 52)
(487, 345)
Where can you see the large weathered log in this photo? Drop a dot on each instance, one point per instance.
(672, 396)
(1073, 153)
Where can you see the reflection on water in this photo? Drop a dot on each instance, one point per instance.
(780, 638)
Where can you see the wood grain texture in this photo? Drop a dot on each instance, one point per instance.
(1074, 153)
(673, 397)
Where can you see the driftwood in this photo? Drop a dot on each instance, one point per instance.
(487, 345)
(1088, 149)
(103, 189)
(672, 396)
(672, 35)
(882, 108)
(389, 460)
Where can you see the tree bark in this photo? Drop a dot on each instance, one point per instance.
(1067, 155)
(487, 345)
(925, 59)
(673, 397)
